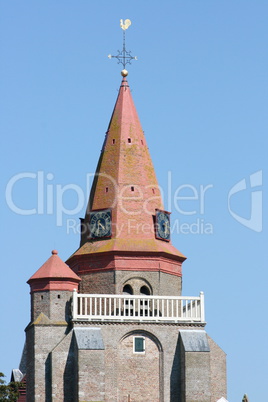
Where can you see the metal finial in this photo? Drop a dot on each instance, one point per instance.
(124, 57)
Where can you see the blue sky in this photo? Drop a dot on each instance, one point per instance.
(200, 88)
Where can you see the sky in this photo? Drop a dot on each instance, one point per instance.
(200, 88)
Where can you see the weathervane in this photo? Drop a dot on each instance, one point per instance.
(124, 57)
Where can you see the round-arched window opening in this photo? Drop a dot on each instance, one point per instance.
(128, 290)
(144, 291)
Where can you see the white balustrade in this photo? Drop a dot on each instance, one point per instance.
(109, 307)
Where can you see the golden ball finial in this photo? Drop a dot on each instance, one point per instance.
(124, 73)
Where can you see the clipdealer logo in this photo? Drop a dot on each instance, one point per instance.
(254, 222)
(187, 200)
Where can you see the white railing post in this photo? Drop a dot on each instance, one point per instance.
(74, 304)
(202, 307)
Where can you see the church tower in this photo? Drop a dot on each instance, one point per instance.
(111, 324)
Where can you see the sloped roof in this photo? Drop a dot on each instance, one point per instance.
(194, 340)
(54, 268)
(89, 338)
(128, 245)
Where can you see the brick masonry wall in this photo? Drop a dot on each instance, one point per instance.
(91, 375)
(164, 373)
(30, 368)
(159, 283)
(41, 340)
(161, 364)
(197, 377)
(40, 303)
(64, 370)
(112, 282)
(55, 304)
(218, 371)
(138, 376)
(98, 282)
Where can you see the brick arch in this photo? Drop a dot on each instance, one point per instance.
(140, 375)
(136, 282)
(143, 332)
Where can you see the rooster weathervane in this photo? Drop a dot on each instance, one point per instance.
(124, 57)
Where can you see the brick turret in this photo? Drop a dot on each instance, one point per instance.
(51, 289)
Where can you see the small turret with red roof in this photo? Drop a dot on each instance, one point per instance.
(51, 288)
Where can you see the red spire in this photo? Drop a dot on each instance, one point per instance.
(125, 182)
(54, 274)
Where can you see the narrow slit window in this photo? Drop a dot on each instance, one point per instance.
(113, 141)
(129, 140)
(106, 189)
(141, 142)
(153, 190)
(132, 188)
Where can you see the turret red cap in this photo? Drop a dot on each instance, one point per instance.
(54, 274)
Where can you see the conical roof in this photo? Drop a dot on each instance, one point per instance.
(125, 179)
(54, 274)
(125, 182)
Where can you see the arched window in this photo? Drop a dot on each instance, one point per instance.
(144, 290)
(128, 290)
(128, 304)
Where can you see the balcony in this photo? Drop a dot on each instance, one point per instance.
(129, 308)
